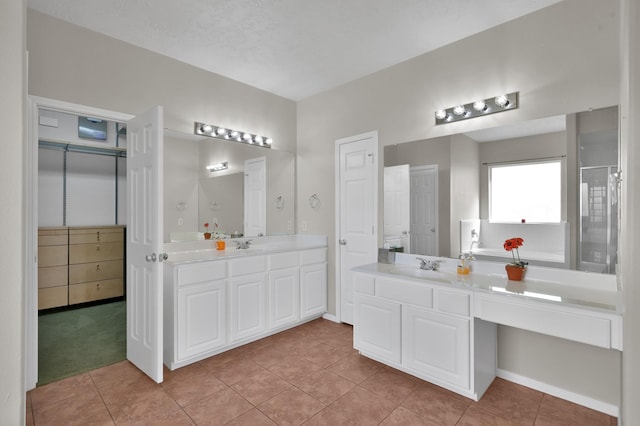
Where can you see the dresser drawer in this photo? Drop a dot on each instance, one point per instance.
(87, 292)
(53, 276)
(95, 252)
(53, 236)
(95, 235)
(53, 256)
(95, 271)
(52, 297)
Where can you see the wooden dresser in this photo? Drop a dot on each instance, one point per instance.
(79, 264)
(96, 263)
(53, 267)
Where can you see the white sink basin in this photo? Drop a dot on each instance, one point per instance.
(414, 271)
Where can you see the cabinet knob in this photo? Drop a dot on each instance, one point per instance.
(98, 235)
(98, 267)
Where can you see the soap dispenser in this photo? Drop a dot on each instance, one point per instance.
(464, 267)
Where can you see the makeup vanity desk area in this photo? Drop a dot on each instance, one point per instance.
(442, 327)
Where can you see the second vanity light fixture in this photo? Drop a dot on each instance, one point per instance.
(218, 167)
(220, 132)
(478, 108)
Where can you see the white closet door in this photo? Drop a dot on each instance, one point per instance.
(50, 187)
(255, 197)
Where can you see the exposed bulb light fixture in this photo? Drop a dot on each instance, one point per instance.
(218, 167)
(441, 114)
(219, 132)
(458, 110)
(478, 108)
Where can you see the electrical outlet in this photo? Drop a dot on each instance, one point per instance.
(180, 221)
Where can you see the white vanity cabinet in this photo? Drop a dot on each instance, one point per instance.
(424, 329)
(284, 289)
(313, 283)
(195, 314)
(214, 305)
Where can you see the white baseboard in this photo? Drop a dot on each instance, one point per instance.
(576, 398)
(330, 317)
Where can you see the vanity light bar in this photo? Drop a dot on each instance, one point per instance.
(220, 132)
(477, 108)
(218, 167)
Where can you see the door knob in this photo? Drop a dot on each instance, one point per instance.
(150, 257)
(433, 229)
(342, 242)
(163, 256)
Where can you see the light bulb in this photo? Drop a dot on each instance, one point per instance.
(221, 131)
(479, 106)
(459, 110)
(258, 140)
(268, 141)
(234, 134)
(502, 101)
(246, 136)
(441, 114)
(206, 128)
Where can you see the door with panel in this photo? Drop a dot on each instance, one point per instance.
(357, 216)
(144, 242)
(255, 196)
(424, 210)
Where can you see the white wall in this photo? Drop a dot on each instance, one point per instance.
(630, 207)
(13, 123)
(561, 59)
(72, 64)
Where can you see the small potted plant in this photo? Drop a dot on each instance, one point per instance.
(207, 234)
(516, 269)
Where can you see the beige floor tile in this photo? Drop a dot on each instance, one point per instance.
(476, 416)
(520, 404)
(291, 407)
(234, 371)
(191, 383)
(355, 368)
(261, 387)
(436, 404)
(363, 406)
(328, 416)
(392, 385)
(80, 410)
(218, 408)
(557, 412)
(252, 417)
(403, 417)
(325, 386)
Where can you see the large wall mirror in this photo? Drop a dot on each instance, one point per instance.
(437, 192)
(195, 195)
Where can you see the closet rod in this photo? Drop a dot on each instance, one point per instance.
(68, 147)
(525, 160)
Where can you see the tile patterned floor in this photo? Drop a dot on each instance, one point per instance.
(308, 375)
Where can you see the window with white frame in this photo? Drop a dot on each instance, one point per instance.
(529, 192)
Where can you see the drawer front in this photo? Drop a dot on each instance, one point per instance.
(53, 276)
(247, 265)
(202, 272)
(308, 257)
(87, 292)
(453, 302)
(284, 260)
(404, 292)
(52, 297)
(53, 237)
(53, 256)
(95, 235)
(565, 324)
(95, 271)
(364, 284)
(95, 252)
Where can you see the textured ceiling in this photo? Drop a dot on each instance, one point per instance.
(293, 48)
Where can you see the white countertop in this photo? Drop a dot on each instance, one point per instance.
(205, 250)
(567, 287)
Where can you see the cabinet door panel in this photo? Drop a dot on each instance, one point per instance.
(248, 306)
(436, 345)
(201, 318)
(284, 296)
(376, 327)
(313, 290)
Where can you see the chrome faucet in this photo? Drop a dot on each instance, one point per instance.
(243, 245)
(429, 265)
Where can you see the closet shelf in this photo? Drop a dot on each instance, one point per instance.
(82, 148)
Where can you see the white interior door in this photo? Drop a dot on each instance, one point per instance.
(255, 197)
(424, 210)
(357, 207)
(397, 218)
(144, 242)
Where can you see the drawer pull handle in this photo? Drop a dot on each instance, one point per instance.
(98, 267)
(98, 235)
(97, 247)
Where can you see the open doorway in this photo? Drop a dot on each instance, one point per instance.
(77, 226)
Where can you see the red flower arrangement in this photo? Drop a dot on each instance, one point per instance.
(512, 245)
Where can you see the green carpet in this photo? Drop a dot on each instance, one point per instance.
(78, 340)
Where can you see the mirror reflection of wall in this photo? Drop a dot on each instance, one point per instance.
(464, 185)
